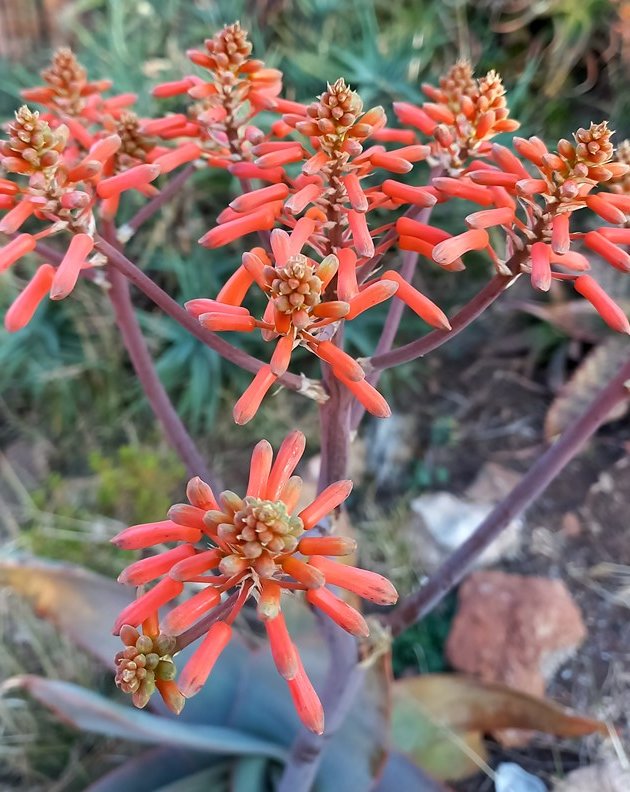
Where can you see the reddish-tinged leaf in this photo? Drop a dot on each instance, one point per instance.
(599, 365)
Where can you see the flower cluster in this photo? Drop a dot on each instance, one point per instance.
(225, 105)
(239, 548)
(307, 296)
(82, 153)
(146, 664)
(464, 113)
(539, 238)
(68, 92)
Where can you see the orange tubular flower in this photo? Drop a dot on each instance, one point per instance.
(536, 213)
(462, 116)
(83, 153)
(254, 547)
(334, 166)
(306, 299)
(238, 89)
(298, 313)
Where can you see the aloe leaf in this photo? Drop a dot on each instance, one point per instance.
(144, 773)
(91, 712)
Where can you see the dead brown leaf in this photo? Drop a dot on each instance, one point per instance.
(599, 365)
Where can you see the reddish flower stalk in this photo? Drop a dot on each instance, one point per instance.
(118, 260)
(154, 391)
(541, 474)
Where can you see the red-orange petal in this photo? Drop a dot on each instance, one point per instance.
(200, 494)
(137, 611)
(170, 694)
(356, 196)
(541, 266)
(15, 249)
(451, 249)
(560, 239)
(68, 271)
(147, 569)
(137, 537)
(282, 648)
(306, 701)
(487, 218)
(188, 515)
(131, 179)
(259, 220)
(370, 296)
(419, 304)
(417, 196)
(368, 585)
(179, 156)
(16, 217)
(291, 492)
(247, 406)
(605, 306)
(287, 458)
(282, 355)
(327, 545)
(340, 361)
(608, 250)
(227, 322)
(303, 572)
(369, 397)
(363, 242)
(347, 617)
(187, 613)
(235, 288)
(347, 286)
(256, 198)
(196, 565)
(414, 116)
(25, 304)
(327, 500)
(607, 211)
(259, 469)
(198, 668)
(298, 237)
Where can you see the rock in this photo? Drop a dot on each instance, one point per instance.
(510, 777)
(391, 448)
(515, 630)
(606, 777)
(446, 520)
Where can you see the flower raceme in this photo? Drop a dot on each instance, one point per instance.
(220, 116)
(308, 299)
(67, 163)
(463, 114)
(328, 188)
(536, 214)
(68, 93)
(300, 311)
(252, 547)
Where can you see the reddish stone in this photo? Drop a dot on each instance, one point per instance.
(514, 629)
